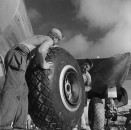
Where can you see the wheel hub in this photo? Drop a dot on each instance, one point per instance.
(70, 88)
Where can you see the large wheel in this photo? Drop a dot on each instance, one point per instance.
(56, 97)
(96, 114)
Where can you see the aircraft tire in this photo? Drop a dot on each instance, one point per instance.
(56, 97)
(96, 114)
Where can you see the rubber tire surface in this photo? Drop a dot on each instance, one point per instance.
(96, 114)
(45, 104)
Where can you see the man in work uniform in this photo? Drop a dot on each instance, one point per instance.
(87, 80)
(14, 98)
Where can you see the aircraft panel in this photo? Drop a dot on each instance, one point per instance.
(15, 25)
(8, 9)
(129, 75)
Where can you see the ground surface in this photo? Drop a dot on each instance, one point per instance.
(88, 128)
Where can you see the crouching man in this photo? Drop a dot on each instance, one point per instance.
(85, 67)
(87, 80)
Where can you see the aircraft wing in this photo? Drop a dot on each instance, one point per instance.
(129, 75)
(99, 61)
(109, 71)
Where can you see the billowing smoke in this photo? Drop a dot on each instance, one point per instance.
(77, 45)
(113, 15)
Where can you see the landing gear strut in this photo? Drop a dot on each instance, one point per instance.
(110, 113)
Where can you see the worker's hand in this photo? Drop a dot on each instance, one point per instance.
(87, 88)
(47, 65)
(85, 78)
(55, 45)
(29, 121)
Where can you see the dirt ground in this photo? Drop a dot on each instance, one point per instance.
(88, 128)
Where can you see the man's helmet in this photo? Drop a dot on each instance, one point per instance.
(54, 32)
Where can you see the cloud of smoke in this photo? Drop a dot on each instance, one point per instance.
(111, 14)
(76, 45)
(102, 13)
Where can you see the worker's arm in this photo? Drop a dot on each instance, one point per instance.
(36, 41)
(42, 52)
(42, 43)
(87, 81)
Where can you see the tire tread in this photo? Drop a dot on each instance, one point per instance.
(41, 95)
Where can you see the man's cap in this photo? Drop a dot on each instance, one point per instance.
(56, 33)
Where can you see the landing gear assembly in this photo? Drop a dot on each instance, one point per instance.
(101, 114)
(56, 96)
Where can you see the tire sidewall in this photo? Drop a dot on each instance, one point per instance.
(62, 61)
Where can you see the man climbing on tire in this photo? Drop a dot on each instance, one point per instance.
(14, 98)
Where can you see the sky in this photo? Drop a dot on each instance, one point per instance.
(91, 28)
